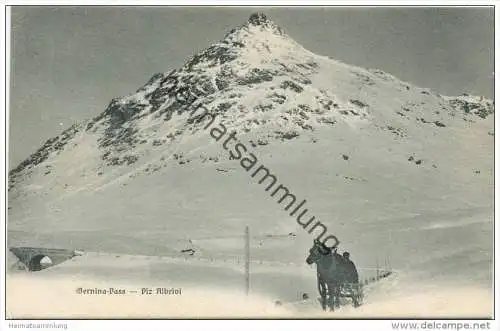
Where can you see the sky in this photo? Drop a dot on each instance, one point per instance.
(67, 63)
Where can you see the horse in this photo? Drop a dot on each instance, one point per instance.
(329, 272)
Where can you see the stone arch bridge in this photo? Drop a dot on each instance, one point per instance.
(32, 257)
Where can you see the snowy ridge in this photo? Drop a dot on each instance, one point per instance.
(301, 92)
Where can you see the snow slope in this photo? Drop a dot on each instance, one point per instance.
(390, 168)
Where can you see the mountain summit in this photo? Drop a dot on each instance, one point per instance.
(260, 19)
(261, 22)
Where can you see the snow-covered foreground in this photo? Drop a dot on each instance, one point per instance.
(56, 297)
(442, 255)
(215, 288)
(32, 296)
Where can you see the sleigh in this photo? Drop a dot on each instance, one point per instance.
(353, 291)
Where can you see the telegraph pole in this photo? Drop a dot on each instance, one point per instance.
(389, 263)
(247, 260)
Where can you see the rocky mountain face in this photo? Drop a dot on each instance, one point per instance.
(283, 101)
(257, 59)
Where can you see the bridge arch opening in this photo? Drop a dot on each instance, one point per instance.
(39, 262)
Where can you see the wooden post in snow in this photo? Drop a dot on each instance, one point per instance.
(386, 267)
(247, 260)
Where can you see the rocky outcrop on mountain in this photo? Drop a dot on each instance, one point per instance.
(473, 105)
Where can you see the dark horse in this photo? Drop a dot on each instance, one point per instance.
(330, 273)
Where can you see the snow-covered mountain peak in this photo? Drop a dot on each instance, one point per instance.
(258, 41)
(263, 84)
(257, 22)
(261, 19)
